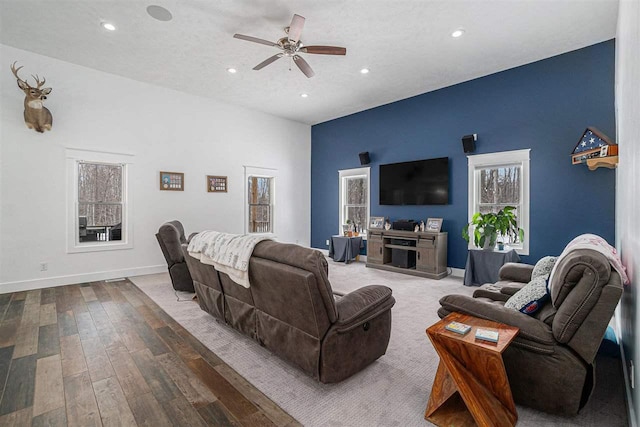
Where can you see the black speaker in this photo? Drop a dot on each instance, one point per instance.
(469, 143)
(403, 259)
(364, 158)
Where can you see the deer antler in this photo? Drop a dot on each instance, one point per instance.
(38, 82)
(15, 72)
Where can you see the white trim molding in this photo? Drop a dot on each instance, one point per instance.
(48, 282)
(504, 158)
(75, 155)
(346, 173)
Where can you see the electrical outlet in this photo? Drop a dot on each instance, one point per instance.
(44, 266)
(327, 242)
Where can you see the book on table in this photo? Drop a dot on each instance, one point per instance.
(457, 327)
(487, 335)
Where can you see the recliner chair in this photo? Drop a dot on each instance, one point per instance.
(170, 236)
(551, 363)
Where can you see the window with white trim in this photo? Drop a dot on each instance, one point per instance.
(98, 201)
(260, 209)
(354, 198)
(501, 179)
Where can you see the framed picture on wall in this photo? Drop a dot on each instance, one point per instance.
(376, 222)
(217, 184)
(434, 225)
(171, 181)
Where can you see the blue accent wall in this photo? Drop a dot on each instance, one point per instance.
(544, 106)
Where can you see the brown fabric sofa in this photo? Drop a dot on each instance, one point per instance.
(290, 309)
(550, 364)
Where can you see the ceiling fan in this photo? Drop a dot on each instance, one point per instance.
(291, 46)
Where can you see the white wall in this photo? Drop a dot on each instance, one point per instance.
(628, 178)
(166, 130)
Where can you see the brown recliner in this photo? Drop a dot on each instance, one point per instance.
(290, 309)
(170, 236)
(551, 363)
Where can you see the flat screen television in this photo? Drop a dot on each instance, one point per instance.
(421, 182)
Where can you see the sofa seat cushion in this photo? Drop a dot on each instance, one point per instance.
(531, 297)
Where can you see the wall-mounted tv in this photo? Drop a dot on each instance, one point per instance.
(421, 182)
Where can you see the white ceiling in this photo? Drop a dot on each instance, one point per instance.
(406, 44)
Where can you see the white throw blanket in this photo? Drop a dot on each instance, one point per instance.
(228, 253)
(597, 243)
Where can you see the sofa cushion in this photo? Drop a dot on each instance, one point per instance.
(531, 297)
(543, 266)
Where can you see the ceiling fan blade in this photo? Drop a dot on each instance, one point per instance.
(295, 28)
(268, 61)
(255, 40)
(303, 65)
(325, 50)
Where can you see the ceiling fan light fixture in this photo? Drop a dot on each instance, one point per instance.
(364, 71)
(108, 26)
(457, 33)
(232, 70)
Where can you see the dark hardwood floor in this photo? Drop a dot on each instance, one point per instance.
(105, 354)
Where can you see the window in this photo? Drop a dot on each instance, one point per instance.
(98, 201)
(501, 179)
(354, 198)
(260, 185)
(260, 208)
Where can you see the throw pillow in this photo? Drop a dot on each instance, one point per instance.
(543, 267)
(531, 297)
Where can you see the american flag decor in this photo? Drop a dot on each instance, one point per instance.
(592, 144)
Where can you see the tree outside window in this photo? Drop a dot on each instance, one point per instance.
(501, 179)
(100, 201)
(355, 205)
(260, 204)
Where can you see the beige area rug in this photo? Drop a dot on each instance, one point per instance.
(394, 390)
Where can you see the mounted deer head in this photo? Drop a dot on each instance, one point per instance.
(36, 116)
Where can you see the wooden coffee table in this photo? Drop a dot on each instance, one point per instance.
(471, 385)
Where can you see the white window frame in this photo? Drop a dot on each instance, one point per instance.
(73, 158)
(352, 173)
(504, 158)
(260, 172)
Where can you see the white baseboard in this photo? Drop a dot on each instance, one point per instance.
(457, 272)
(47, 282)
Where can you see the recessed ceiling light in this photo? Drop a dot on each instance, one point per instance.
(304, 95)
(457, 33)
(232, 70)
(159, 13)
(108, 26)
(364, 71)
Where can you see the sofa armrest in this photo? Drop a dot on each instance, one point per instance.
(516, 272)
(530, 328)
(362, 305)
(511, 288)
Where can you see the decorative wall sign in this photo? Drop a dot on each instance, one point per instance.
(217, 184)
(171, 181)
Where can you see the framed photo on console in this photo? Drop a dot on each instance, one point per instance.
(376, 222)
(433, 225)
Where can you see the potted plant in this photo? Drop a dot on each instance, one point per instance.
(489, 226)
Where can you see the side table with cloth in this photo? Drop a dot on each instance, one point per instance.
(483, 266)
(342, 248)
